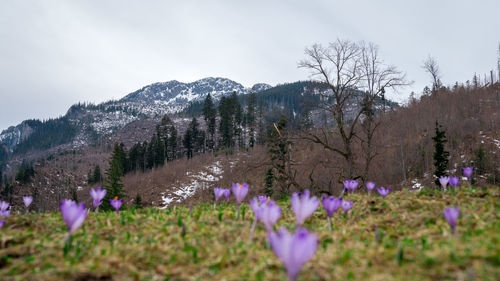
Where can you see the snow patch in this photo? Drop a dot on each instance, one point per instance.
(202, 179)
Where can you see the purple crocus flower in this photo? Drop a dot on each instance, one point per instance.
(3, 209)
(268, 214)
(255, 204)
(227, 193)
(240, 190)
(218, 193)
(293, 250)
(350, 185)
(467, 171)
(74, 215)
(303, 206)
(266, 211)
(370, 186)
(346, 205)
(262, 199)
(444, 181)
(97, 196)
(354, 185)
(331, 204)
(451, 215)
(383, 191)
(27, 201)
(116, 203)
(454, 181)
(2, 222)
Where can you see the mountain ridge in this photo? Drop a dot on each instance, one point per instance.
(152, 100)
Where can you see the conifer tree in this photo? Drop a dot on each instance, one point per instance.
(209, 115)
(226, 113)
(250, 119)
(440, 154)
(138, 201)
(191, 139)
(114, 175)
(238, 120)
(150, 154)
(261, 135)
(159, 151)
(90, 177)
(97, 177)
(172, 144)
(279, 152)
(269, 179)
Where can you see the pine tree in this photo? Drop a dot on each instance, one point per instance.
(226, 113)
(159, 148)
(7, 192)
(114, 175)
(90, 177)
(124, 159)
(238, 120)
(172, 144)
(261, 135)
(279, 152)
(269, 182)
(74, 195)
(250, 119)
(167, 135)
(440, 154)
(97, 177)
(150, 154)
(138, 201)
(191, 139)
(481, 162)
(209, 115)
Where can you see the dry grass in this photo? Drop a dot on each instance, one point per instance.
(403, 237)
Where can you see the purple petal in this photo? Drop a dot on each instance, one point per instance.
(303, 206)
(293, 250)
(27, 201)
(4, 205)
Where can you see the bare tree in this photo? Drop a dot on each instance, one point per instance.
(431, 66)
(378, 77)
(353, 73)
(339, 67)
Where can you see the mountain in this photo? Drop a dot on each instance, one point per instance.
(174, 96)
(84, 123)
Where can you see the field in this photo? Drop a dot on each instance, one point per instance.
(401, 237)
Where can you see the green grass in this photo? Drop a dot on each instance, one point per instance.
(403, 237)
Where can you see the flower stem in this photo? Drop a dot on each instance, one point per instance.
(254, 225)
(238, 212)
(330, 222)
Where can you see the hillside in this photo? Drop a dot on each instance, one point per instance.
(88, 122)
(403, 145)
(402, 237)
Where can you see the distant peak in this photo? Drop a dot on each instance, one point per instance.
(259, 87)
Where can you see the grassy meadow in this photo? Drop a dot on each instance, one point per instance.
(401, 237)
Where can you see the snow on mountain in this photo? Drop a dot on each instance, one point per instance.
(259, 87)
(175, 93)
(150, 101)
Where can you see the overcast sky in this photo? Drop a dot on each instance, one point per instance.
(56, 53)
